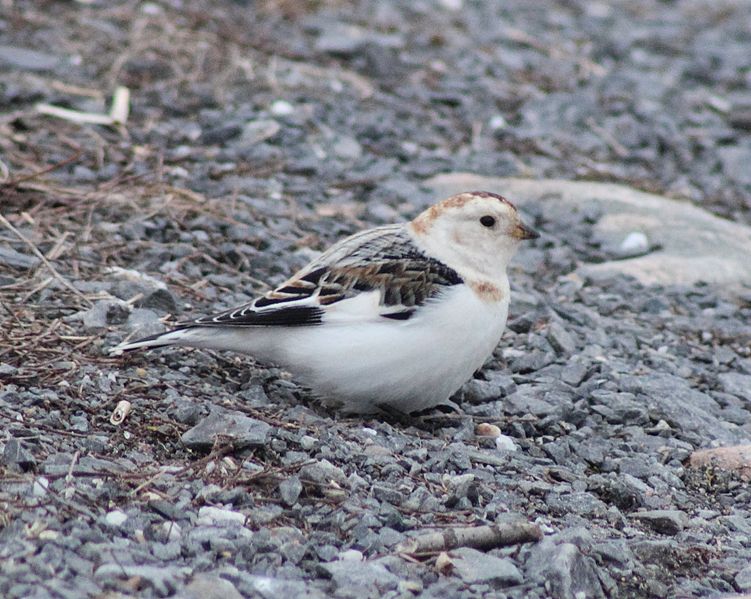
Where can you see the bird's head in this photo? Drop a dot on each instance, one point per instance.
(473, 232)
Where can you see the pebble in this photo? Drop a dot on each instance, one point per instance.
(116, 518)
(206, 586)
(476, 567)
(16, 456)
(289, 490)
(213, 516)
(282, 108)
(27, 59)
(235, 426)
(505, 443)
(10, 258)
(561, 340)
(669, 522)
(636, 243)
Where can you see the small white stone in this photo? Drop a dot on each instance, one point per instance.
(151, 8)
(172, 530)
(213, 516)
(497, 122)
(307, 442)
(351, 555)
(116, 518)
(410, 147)
(505, 443)
(453, 5)
(282, 108)
(179, 172)
(636, 242)
(40, 486)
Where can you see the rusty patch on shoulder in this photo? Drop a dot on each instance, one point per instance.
(423, 221)
(487, 291)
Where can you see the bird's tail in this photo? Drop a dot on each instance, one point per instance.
(174, 337)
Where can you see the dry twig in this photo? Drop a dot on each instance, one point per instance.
(7, 224)
(479, 537)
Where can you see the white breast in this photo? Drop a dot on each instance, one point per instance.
(410, 365)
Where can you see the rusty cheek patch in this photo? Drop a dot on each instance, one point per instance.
(487, 291)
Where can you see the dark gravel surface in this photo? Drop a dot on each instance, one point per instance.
(260, 133)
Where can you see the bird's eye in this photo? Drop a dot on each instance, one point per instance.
(487, 221)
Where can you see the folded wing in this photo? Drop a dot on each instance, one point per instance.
(383, 263)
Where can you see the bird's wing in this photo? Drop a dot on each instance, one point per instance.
(382, 266)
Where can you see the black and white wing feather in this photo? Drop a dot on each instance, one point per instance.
(384, 260)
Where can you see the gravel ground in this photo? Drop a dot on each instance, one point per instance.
(260, 133)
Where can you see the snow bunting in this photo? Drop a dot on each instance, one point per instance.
(397, 317)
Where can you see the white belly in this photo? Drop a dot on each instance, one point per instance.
(409, 365)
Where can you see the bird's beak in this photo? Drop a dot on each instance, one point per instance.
(522, 231)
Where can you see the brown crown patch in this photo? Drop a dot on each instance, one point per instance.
(425, 219)
(487, 194)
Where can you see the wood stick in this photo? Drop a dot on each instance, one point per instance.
(5, 222)
(478, 537)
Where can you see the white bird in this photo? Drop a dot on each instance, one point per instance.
(394, 318)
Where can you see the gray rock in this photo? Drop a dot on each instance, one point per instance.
(164, 580)
(221, 133)
(347, 148)
(562, 341)
(735, 161)
(567, 572)
(289, 490)
(672, 399)
(743, 579)
(526, 400)
(17, 456)
(361, 579)
(388, 494)
(476, 567)
(736, 383)
(478, 391)
(13, 259)
(144, 322)
(160, 300)
(7, 370)
(206, 586)
(26, 59)
(268, 587)
(573, 373)
(669, 522)
(104, 313)
(582, 503)
(344, 39)
(257, 131)
(210, 515)
(233, 426)
(322, 472)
